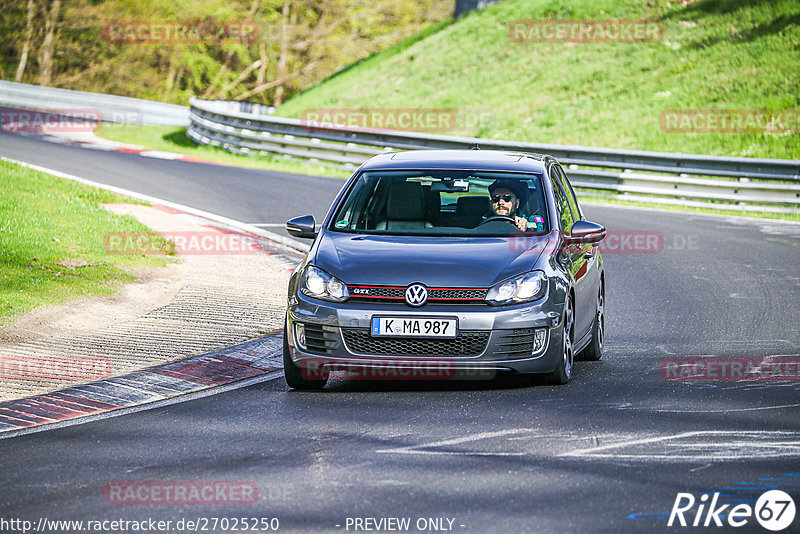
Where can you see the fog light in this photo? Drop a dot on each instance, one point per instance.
(300, 335)
(539, 341)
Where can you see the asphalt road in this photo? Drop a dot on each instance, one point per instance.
(261, 197)
(607, 453)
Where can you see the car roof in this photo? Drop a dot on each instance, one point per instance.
(490, 160)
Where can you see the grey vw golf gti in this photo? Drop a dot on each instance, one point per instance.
(439, 263)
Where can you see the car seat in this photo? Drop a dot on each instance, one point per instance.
(405, 208)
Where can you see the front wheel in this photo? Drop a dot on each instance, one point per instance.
(594, 350)
(563, 372)
(294, 374)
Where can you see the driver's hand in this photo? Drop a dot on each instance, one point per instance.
(521, 222)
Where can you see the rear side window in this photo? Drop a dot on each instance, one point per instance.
(573, 201)
(565, 216)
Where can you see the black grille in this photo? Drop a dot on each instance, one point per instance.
(379, 292)
(321, 339)
(472, 294)
(468, 343)
(515, 343)
(437, 295)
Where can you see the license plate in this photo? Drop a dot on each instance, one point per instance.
(414, 327)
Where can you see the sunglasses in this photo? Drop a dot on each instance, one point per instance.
(506, 198)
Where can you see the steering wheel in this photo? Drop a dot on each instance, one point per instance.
(503, 218)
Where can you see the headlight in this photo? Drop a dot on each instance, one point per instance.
(318, 284)
(523, 288)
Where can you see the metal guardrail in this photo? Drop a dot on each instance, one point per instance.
(684, 179)
(120, 109)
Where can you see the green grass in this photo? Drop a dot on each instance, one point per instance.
(46, 220)
(174, 139)
(714, 54)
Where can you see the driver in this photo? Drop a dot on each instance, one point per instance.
(505, 197)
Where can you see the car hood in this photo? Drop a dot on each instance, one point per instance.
(433, 261)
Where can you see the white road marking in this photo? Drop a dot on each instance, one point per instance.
(418, 449)
(701, 445)
(631, 443)
(707, 446)
(695, 410)
(160, 154)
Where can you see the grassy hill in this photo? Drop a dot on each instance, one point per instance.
(713, 55)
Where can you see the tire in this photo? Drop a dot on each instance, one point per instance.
(594, 350)
(293, 374)
(563, 372)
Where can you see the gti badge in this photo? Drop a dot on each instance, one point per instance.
(416, 295)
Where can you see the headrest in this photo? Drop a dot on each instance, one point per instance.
(472, 205)
(433, 203)
(406, 202)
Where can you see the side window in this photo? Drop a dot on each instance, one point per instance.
(562, 204)
(573, 202)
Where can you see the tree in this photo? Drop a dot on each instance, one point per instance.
(46, 62)
(23, 60)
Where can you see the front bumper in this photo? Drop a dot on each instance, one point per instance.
(491, 338)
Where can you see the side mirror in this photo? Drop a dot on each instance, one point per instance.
(304, 227)
(587, 232)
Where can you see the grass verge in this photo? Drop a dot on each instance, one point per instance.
(712, 55)
(52, 242)
(174, 139)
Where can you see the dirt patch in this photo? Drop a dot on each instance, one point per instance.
(208, 299)
(153, 288)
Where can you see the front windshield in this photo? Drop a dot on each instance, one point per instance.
(444, 203)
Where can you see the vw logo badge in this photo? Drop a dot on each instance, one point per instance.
(416, 295)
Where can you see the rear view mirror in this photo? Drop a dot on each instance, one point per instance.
(457, 185)
(587, 232)
(304, 227)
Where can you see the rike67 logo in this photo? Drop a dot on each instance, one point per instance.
(774, 510)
